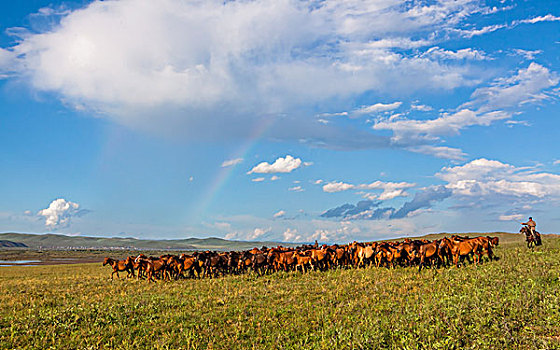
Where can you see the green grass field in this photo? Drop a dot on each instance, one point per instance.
(512, 303)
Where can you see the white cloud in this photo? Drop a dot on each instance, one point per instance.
(211, 69)
(281, 165)
(511, 123)
(337, 187)
(258, 233)
(512, 217)
(231, 162)
(232, 236)
(249, 235)
(258, 179)
(469, 33)
(274, 178)
(376, 108)
(463, 54)
(390, 189)
(421, 107)
(482, 179)
(296, 189)
(59, 213)
(403, 43)
(496, 102)
(556, 162)
(7, 63)
(547, 18)
(526, 86)
(279, 214)
(527, 54)
(411, 130)
(291, 235)
(439, 151)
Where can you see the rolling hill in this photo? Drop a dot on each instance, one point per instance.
(73, 242)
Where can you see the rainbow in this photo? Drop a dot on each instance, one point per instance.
(224, 174)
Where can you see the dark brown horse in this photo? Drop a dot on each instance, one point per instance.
(531, 239)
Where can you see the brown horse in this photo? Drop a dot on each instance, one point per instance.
(302, 260)
(153, 266)
(464, 248)
(362, 253)
(320, 258)
(429, 252)
(120, 265)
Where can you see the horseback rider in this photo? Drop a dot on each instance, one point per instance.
(532, 225)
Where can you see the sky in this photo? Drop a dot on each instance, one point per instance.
(291, 121)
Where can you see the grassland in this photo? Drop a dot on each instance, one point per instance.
(513, 303)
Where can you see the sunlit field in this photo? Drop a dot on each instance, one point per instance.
(510, 303)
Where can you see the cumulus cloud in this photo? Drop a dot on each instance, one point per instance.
(280, 165)
(291, 235)
(337, 187)
(279, 214)
(60, 212)
(258, 233)
(231, 162)
(219, 69)
(484, 179)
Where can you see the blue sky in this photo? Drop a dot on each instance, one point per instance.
(279, 120)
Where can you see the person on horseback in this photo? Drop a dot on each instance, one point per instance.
(532, 225)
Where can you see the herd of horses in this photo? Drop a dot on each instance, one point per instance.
(421, 253)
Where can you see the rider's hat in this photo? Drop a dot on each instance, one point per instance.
(530, 218)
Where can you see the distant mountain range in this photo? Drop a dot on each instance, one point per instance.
(75, 242)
